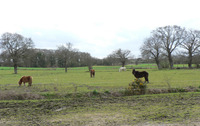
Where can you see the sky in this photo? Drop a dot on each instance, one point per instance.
(98, 27)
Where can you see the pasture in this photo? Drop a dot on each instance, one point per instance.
(149, 109)
(106, 78)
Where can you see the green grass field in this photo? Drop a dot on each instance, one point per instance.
(157, 109)
(107, 78)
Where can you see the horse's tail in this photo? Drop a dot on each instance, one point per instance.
(146, 77)
(30, 80)
(93, 73)
(147, 74)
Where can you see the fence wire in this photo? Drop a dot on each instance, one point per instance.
(87, 87)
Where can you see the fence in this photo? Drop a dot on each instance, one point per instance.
(83, 88)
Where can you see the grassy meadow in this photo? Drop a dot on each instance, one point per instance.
(107, 78)
(37, 105)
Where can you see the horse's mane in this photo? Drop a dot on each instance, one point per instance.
(20, 81)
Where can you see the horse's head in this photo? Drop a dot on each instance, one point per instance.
(133, 72)
(20, 82)
(92, 70)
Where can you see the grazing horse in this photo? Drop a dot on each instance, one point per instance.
(25, 79)
(92, 73)
(138, 74)
(122, 69)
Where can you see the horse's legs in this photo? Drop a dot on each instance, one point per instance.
(24, 83)
(146, 79)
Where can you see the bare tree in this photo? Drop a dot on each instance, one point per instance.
(151, 48)
(191, 44)
(171, 37)
(15, 45)
(66, 54)
(121, 55)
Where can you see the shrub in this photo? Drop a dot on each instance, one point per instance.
(95, 92)
(136, 87)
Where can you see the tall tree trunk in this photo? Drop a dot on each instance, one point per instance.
(190, 60)
(15, 68)
(123, 63)
(158, 63)
(65, 66)
(170, 61)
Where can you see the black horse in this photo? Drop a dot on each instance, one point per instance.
(138, 74)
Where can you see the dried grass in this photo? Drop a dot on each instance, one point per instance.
(15, 95)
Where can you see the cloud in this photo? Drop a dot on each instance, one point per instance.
(97, 27)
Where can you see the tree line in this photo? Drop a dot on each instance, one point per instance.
(18, 51)
(171, 42)
(165, 46)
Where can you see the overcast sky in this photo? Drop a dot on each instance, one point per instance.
(95, 26)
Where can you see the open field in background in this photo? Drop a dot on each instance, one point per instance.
(92, 109)
(141, 66)
(107, 78)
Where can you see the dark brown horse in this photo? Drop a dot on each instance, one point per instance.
(92, 73)
(25, 79)
(141, 74)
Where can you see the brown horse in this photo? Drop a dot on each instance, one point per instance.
(92, 73)
(25, 79)
(138, 74)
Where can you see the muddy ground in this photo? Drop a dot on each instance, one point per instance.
(159, 109)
